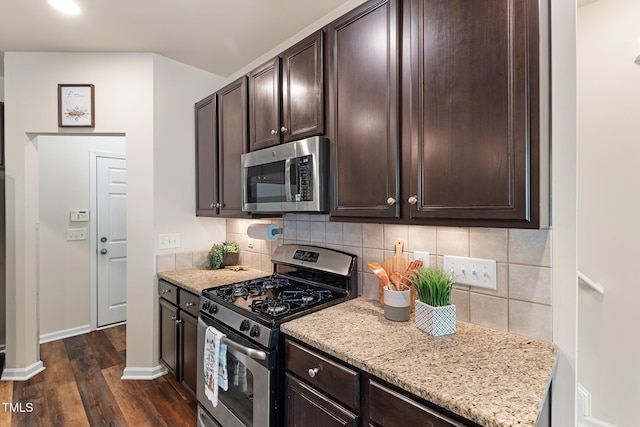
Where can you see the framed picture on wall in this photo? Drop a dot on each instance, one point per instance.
(76, 105)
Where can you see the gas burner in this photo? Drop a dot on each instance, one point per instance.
(273, 282)
(306, 296)
(271, 307)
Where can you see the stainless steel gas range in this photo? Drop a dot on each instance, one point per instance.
(305, 279)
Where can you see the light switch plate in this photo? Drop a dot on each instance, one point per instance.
(472, 271)
(424, 256)
(168, 241)
(78, 215)
(76, 234)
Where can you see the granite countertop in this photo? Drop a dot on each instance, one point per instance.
(198, 279)
(489, 377)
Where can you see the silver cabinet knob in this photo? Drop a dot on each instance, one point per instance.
(103, 251)
(166, 291)
(190, 304)
(391, 201)
(178, 321)
(218, 205)
(173, 317)
(212, 205)
(283, 129)
(313, 372)
(413, 200)
(274, 132)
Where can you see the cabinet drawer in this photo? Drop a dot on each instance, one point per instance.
(337, 381)
(189, 302)
(168, 291)
(390, 409)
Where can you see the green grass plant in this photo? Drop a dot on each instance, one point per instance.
(433, 286)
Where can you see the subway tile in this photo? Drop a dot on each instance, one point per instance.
(529, 283)
(422, 238)
(372, 236)
(165, 262)
(532, 247)
(184, 260)
(488, 243)
(453, 241)
(460, 299)
(489, 311)
(530, 320)
(352, 234)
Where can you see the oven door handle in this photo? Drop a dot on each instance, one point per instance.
(252, 353)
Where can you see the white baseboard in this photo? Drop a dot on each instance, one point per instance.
(65, 333)
(143, 373)
(584, 411)
(22, 374)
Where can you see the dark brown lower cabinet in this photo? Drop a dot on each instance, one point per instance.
(179, 334)
(324, 391)
(309, 408)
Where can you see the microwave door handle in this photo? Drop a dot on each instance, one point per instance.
(287, 179)
(252, 353)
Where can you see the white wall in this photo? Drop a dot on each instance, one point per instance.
(608, 177)
(125, 102)
(64, 266)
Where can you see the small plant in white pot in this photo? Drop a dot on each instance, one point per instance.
(434, 313)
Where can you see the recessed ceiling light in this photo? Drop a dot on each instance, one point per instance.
(66, 6)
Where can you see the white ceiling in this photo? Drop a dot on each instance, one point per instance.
(220, 36)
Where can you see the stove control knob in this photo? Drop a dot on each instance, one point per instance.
(213, 309)
(206, 305)
(254, 332)
(244, 325)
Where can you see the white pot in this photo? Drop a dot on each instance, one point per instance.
(435, 320)
(397, 305)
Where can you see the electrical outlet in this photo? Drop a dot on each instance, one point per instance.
(168, 241)
(250, 243)
(472, 271)
(424, 256)
(76, 234)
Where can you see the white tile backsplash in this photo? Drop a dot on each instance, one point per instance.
(521, 303)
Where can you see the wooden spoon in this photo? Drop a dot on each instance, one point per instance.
(377, 269)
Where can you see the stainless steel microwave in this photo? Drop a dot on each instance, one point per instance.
(291, 177)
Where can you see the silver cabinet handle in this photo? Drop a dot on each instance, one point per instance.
(218, 205)
(212, 205)
(274, 132)
(413, 200)
(313, 372)
(391, 201)
(103, 251)
(190, 304)
(166, 291)
(283, 129)
(173, 317)
(178, 321)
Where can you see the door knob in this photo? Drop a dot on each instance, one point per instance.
(103, 239)
(103, 251)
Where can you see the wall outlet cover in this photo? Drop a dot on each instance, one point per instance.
(424, 256)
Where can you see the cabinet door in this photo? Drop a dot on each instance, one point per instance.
(206, 167)
(303, 89)
(232, 143)
(309, 408)
(169, 337)
(363, 62)
(189, 350)
(474, 99)
(264, 105)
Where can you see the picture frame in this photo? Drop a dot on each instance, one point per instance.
(76, 105)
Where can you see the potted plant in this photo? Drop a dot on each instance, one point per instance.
(434, 312)
(223, 254)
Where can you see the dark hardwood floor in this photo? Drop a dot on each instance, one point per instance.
(81, 386)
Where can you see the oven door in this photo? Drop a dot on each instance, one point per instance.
(251, 392)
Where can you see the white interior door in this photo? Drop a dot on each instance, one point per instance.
(112, 240)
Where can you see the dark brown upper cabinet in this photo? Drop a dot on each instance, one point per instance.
(471, 93)
(286, 95)
(363, 57)
(221, 138)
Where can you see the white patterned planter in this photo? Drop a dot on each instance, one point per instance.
(435, 320)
